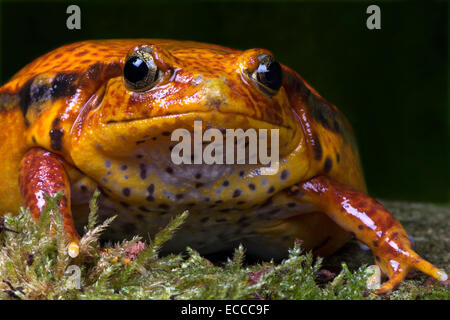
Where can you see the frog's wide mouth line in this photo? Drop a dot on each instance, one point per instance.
(199, 115)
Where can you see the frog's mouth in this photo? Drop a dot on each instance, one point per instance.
(163, 132)
(200, 115)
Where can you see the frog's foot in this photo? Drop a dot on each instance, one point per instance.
(397, 266)
(372, 224)
(42, 172)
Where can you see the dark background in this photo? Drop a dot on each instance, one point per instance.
(392, 83)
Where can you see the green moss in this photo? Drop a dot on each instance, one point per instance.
(35, 265)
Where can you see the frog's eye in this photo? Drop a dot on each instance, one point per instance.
(268, 76)
(140, 71)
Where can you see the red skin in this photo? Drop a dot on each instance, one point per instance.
(370, 222)
(42, 172)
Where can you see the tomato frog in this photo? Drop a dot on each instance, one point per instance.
(100, 115)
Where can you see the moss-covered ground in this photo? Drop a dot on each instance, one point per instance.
(35, 264)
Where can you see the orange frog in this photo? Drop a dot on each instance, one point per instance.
(100, 115)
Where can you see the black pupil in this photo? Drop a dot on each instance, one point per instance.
(270, 76)
(135, 69)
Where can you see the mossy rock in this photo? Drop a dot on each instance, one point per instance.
(35, 265)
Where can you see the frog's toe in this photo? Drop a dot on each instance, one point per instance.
(398, 267)
(395, 279)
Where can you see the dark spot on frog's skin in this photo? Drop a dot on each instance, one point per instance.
(154, 138)
(323, 113)
(328, 165)
(251, 186)
(151, 189)
(206, 199)
(214, 101)
(123, 167)
(221, 220)
(203, 220)
(394, 236)
(150, 198)
(81, 53)
(284, 174)
(240, 202)
(164, 206)
(338, 157)
(226, 183)
(64, 85)
(33, 139)
(241, 173)
(219, 201)
(375, 243)
(271, 189)
(237, 193)
(126, 192)
(198, 175)
(142, 171)
(139, 142)
(142, 208)
(139, 156)
(32, 93)
(166, 133)
(56, 136)
(317, 147)
(108, 164)
(169, 170)
(291, 204)
(94, 71)
(225, 210)
(83, 188)
(377, 258)
(360, 227)
(124, 204)
(198, 185)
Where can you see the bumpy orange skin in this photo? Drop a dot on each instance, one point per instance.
(68, 123)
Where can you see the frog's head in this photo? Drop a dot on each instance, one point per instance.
(162, 88)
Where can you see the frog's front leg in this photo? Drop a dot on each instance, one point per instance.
(372, 224)
(42, 172)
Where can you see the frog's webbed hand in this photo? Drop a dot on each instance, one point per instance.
(372, 224)
(42, 172)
